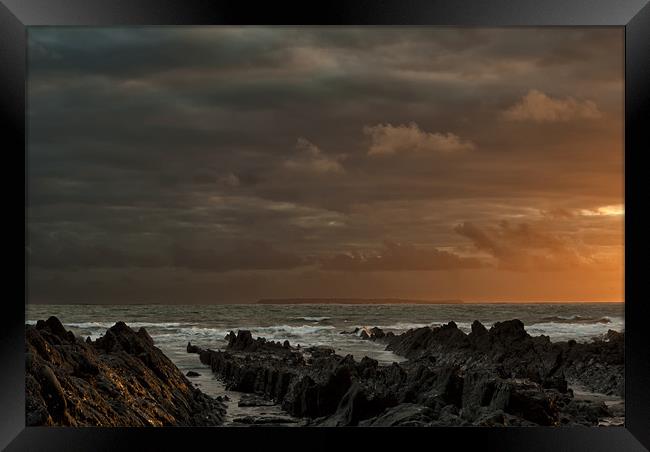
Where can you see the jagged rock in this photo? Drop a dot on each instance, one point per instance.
(584, 412)
(527, 401)
(247, 400)
(55, 326)
(513, 353)
(376, 333)
(496, 377)
(372, 334)
(53, 395)
(265, 420)
(420, 341)
(358, 403)
(192, 348)
(243, 341)
(121, 379)
(403, 415)
(598, 365)
(317, 393)
(191, 373)
(318, 351)
(145, 335)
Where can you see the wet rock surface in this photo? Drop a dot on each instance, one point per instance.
(511, 352)
(265, 420)
(490, 377)
(248, 400)
(121, 379)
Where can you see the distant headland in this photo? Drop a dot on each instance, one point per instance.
(353, 301)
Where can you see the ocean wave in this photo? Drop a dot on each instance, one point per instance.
(402, 326)
(106, 325)
(312, 319)
(466, 327)
(405, 326)
(293, 330)
(178, 329)
(263, 331)
(274, 332)
(193, 333)
(575, 319)
(205, 337)
(580, 332)
(575, 327)
(561, 331)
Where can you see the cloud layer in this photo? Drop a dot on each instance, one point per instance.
(235, 163)
(399, 257)
(523, 247)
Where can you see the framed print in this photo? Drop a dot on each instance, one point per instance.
(422, 218)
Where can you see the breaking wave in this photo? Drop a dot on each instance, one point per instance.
(312, 319)
(106, 325)
(291, 330)
(575, 319)
(403, 326)
(578, 330)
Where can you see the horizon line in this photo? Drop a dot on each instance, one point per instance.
(421, 302)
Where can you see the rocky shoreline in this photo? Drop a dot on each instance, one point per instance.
(496, 377)
(118, 380)
(500, 376)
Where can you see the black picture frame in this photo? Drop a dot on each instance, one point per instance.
(633, 15)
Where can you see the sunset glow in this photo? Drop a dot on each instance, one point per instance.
(216, 165)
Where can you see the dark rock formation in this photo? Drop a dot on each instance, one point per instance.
(265, 420)
(121, 379)
(372, 334)
(191, 373)
(192, 348)
(599, 365)
(496, 377)
(247, 400)
(403, 415)
(513, 353)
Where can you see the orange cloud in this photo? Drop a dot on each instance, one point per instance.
(524, 247)
(539, 107)
(388, 139)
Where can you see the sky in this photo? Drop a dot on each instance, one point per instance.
(228, 164)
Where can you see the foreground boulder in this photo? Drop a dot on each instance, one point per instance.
(121, 379)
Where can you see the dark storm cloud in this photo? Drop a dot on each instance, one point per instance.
(68, 250)
(399, 257)
(255, 255)
(227, 149)
(524, 247)
(75, 251)
(119, 52)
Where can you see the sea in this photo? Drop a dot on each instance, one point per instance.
(173, 326)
